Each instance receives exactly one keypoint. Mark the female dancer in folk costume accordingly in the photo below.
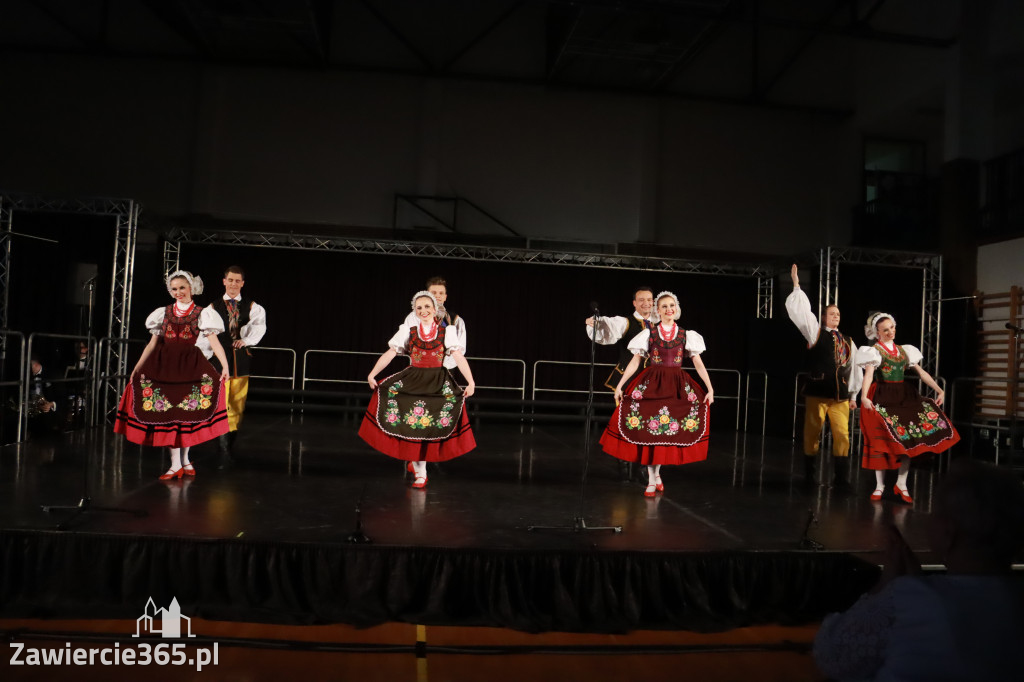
(418, 415)
(175, 398)
(897, 422)
(662, 416)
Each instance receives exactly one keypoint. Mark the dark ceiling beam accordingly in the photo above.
(305, 38)
(104, 23)
(67, 26)
(799, 51)
(179, 20)
(322, 13)
(868, 16)
(856, 31)
(250, 63)
(755, 46)
(483, 34)
(560, 49)
(711, 31)
(398, 34)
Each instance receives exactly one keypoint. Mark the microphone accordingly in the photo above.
(593, 308)
(1014, 329)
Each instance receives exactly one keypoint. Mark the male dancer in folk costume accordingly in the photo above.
(438, 288)
(245, 323)
(620, 330)
(831, 390)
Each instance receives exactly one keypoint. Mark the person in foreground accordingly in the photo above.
(175, 398)
(964, 625)
(896, 420)
(662, 417)
(418, 415)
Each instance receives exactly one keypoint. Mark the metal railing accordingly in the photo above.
(534, 389)
(22, 371)
(1012, 424)
(316, 352)
(763, 400)
(289, 378)
(521, 388)
(739, 383)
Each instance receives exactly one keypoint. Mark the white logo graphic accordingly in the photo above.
(166, 622)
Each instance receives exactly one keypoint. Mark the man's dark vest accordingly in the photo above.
(633, 327)
(830, 367)
(237, 357)
(448, 319)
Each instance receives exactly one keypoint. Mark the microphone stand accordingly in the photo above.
(579, 523)
(358, 537)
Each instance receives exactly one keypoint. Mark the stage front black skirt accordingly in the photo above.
(418, 415)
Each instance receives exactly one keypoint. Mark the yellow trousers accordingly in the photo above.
(236, 391)
(838, 413)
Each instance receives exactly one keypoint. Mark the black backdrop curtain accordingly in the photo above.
(347, 301)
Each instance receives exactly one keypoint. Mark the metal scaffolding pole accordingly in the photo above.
(6, 223)
(765, 297)
(116, 365)
(172, 256)
(539, 256)
(930, 265)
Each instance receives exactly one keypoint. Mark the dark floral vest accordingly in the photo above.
(426, 353)
(892, 368)
(181, 329)
(830, 366)
(666, 353)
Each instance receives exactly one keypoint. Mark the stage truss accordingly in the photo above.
(126, 214)
(762, 272)
(930, 265)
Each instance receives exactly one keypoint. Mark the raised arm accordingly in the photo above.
(606, 330)
(798, 307)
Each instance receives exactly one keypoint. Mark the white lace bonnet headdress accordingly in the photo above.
(194, 281)
(870, 329)
(674, 298)
(426, 294)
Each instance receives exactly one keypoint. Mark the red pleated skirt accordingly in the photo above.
(422, 417)
(662, 419)
(903, 423)
(175, 400)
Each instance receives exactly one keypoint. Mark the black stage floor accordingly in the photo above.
(280, 519)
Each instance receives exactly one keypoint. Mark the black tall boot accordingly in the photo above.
(839, 479)
(810, 470)
(225, 442)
